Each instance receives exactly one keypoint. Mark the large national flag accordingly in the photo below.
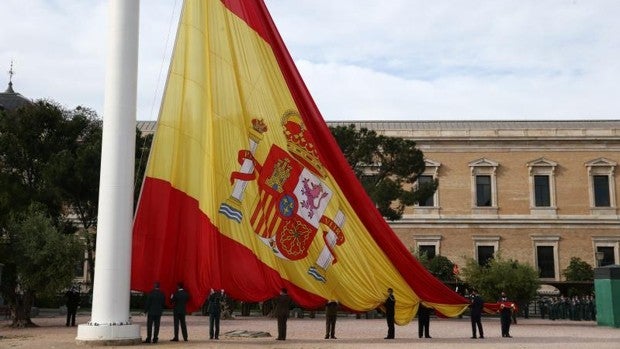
(246, 189)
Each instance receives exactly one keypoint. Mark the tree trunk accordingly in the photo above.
(20, 311)
(90, 258)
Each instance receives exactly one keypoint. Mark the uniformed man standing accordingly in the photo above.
(389, 304)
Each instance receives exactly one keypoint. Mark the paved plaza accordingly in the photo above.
(351, 333)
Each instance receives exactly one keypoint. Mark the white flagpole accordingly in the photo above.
(110, 321)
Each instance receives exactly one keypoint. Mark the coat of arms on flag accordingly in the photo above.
(293, 196)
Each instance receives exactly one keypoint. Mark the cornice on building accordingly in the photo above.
(507, 222)
(475, 131)
(480, 130)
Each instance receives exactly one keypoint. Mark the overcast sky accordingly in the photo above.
(361, 59)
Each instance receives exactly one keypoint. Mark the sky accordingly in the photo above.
(361, 59)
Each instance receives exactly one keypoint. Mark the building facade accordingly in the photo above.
(540, 192)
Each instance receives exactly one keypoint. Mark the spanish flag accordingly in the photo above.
(247, 191)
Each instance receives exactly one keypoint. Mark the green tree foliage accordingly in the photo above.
(518, 280)
(30, 140)
(77, 175)
(43, 260)
(387, 168)
(75, 170)
(49, 157)
(578, 270)
(441, 267)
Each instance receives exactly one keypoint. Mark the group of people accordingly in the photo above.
(154, 307)
(506, 308)
(576, 308)
(156, 302)
(283, 304)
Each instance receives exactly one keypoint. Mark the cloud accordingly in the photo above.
(500, 60)
(405, 59)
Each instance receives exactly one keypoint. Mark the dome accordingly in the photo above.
(10, 100)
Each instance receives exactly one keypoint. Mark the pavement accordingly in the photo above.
(51, 333)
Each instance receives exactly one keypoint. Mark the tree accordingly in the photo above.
(40, 259)
(518, 280)
(441, 267)
(76, 172)
(49, 157)
(578, 270)
(387, 168)
(30, 139)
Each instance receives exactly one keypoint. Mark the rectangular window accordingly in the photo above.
(79, 269)
(428, 249)
(601, 191)
(542, 196)
(485, 254)
(483, 191)
(546, 262)
(430, 201)
(608, 255)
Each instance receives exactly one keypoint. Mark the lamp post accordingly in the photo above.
(599, 258)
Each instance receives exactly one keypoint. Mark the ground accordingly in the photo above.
(351, 333)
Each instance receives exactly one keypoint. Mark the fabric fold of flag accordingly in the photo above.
(246, 190)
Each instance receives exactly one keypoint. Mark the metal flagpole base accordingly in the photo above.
(108, 335)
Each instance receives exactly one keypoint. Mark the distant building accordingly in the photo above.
(539, 192)
(9, 99)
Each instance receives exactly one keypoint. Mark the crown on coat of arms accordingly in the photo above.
(258, 128)
(299, 142)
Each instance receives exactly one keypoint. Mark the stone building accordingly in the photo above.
(539, 192)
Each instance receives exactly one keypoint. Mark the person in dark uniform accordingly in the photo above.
(331, 313)
(389, 305)
(214, 309)
(179, 300)
(505, 310)
(424, 321)
(283, 304)
(73, 301)
(476, 314)
(153, 308)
